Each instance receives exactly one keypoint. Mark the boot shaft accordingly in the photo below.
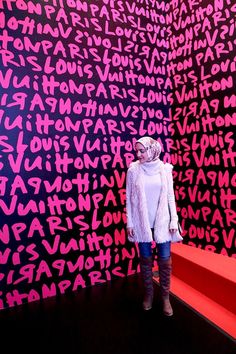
(165, 269)
(146, 272)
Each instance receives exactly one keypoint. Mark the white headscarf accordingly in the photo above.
(152, 146)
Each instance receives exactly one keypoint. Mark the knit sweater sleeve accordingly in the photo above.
(171, 197)
(129, 187)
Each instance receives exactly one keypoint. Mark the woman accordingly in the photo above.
(152, 216)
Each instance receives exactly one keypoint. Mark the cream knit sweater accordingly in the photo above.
(136, 205)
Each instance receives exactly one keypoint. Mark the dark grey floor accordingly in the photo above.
(108, 319)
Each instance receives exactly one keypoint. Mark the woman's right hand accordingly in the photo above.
(130, 232)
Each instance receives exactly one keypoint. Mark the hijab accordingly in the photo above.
(153, 148)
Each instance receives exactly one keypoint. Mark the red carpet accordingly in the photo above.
(206, 281)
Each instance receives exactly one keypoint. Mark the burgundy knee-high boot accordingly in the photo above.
(146, 272)
(165, 269)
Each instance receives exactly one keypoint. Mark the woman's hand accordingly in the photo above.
(130, 232)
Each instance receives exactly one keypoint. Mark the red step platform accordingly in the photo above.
(206, 282)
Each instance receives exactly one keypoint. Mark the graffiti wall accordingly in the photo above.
(80, 81)
(202, 65)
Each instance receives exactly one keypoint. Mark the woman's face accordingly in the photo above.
(141, 152)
